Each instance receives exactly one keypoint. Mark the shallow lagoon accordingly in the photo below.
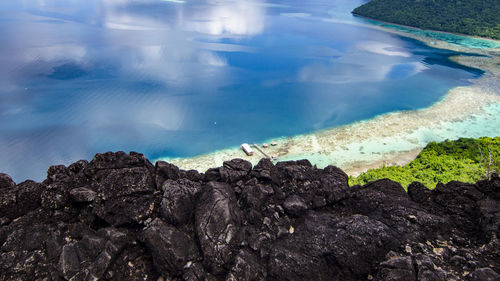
(178, 79)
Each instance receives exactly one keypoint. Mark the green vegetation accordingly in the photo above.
(472, 17)
(465, 160)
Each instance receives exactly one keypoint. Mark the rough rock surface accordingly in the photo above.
(118, 217)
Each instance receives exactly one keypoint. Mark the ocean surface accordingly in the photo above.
(173, 78)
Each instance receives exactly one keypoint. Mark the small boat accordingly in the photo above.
(247, 149)
(264, 145)
(274, 143)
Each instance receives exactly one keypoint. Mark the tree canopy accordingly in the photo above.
(471, 17)
(464, 160)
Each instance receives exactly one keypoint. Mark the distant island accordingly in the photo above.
(471, 17)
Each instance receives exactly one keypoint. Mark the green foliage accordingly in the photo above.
(472, 17)
(464, 160)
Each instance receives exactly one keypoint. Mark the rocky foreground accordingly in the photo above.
(121, 218)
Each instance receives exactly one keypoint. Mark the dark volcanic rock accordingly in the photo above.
(485, 274)
(295, 205)
(246, 267)
(57, 174)
(171, 249)
(6, 182)
(419, 193)
(166, 171)
(69, 263)
(20, 199)
(118, 217)
(266, 171)
(118, 160)
(234, 170)
(82, 194)
(398, 268)
(334, 186)
(387, 202)
(255, 195)
(212, 174)
(126, 195)
(179, 199)
(325, 247)
(218, 221)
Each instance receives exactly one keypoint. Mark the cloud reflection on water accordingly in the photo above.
(228, 18)
(80, 77)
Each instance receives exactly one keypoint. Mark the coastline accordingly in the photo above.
(422, 38)
(393, 138)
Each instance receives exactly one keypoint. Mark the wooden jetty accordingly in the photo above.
(262, 151)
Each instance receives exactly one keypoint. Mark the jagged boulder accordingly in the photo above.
(118, 217)
(172, 250)
(126, 195)
(21, 199)
(117, 160)
(6, 182)
(295, 205)
(83, 194)
(296, 170)
(246, 267)
(218, 221)
(397, 268)
(165, 171)
(387, 202)
(266, 171)
(179, 200)
(485, 274)
(234, 170)
(325, 247)
(254, 195)
(90, 257)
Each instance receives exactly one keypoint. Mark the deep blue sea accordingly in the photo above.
(182, 78)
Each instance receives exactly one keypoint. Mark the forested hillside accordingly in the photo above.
(472, 17)
(466, 160)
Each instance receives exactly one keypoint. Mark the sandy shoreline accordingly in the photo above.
(393, 138)
(433, 42)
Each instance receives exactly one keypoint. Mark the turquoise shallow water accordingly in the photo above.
(373, 149)
(475, 126)
(178, 79)
(454, 39)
